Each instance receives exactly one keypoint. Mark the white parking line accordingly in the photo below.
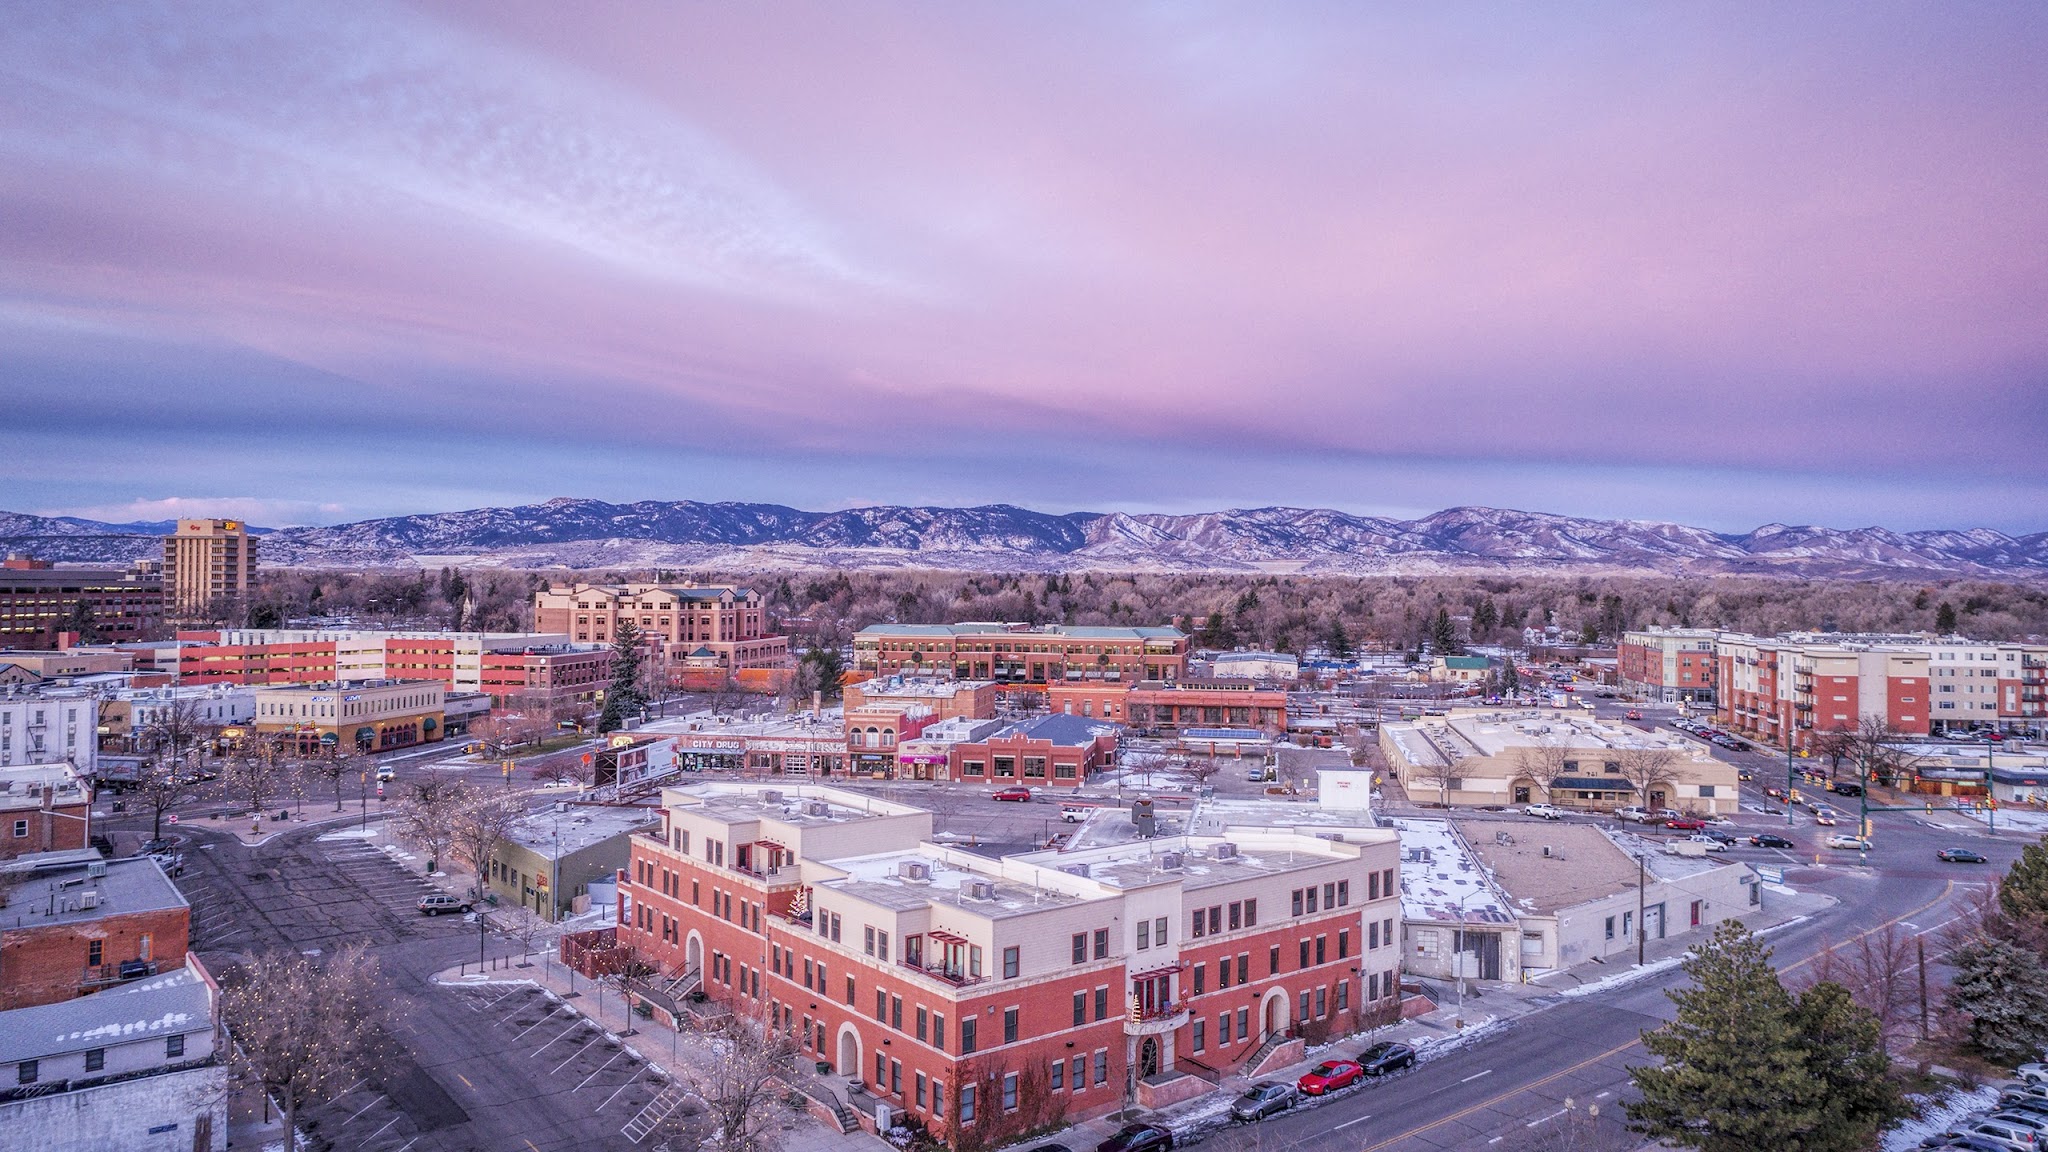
(1349, 1123)
(601, 1067)
(358, 1112)
(565, 1035)
(580, 1050)
(1545, 1119)
(615, 1095)
(1475, 1076)
(545, 1017)
(387, 1124)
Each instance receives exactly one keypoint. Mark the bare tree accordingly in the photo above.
(478, 827)
(524, 927)
(741, 1088)
(256, 774)
(428, 812)
(173, 726)
(304, 1026)
(165, 782)
(1197, 768)
(1879, 752)
(336, 765)
(1544, 761)
(1642, 767)
(1878, 969)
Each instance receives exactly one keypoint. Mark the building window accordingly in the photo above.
(1304, 953)
(1344, 944)
(967, 1030)
(1102, 943)
(25, 1072)
(174, 1047)
(95, 1059)
(1320, 942)
(1201, 1035)
(1273, 960)
(1102, 1002)
(1298, 905)
(1080, 1008)
(967, 1104)
(1198, 922)
(95, 952)
(1010, 962)
(1101, 1066)
(1009, 1092)
(1059, 1075)
(1201, 978)
(1080, 1073)
(1144, 934)
(1009, 1025)
(1159, 931)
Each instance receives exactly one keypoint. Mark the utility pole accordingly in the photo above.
(1642, 906)
(1920, 946)
(1990, 795)
(1789, 729)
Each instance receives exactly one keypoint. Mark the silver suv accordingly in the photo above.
(441, 902)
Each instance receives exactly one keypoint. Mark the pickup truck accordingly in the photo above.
(1546, 811)
(1634, 812)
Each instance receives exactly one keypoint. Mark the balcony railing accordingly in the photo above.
(952, 975)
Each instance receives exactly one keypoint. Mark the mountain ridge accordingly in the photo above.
(573, 532)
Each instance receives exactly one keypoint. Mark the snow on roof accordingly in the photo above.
(1441, 881)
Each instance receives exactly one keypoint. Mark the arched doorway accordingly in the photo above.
(1148, 1057)
(1524, 791)
(1660, 795)
(693, 953)
(1273, 1012)
(849, 1050)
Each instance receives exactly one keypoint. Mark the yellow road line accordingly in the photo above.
(1512, 1092)
(465, 1081)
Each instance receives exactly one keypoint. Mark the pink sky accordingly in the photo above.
(1662, 262)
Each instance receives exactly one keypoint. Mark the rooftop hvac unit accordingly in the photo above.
(88, 899)
(1171, 861)
(816, 808)
(981, 889)
(1076, 869)
(1226, 851)
(913, 870)
(1337, 836)
(771, 796)
(96, 869)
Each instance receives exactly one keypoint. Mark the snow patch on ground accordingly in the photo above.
(1436, 1047)
(1620, 979)
(351, 834)
(2008, 819)
(1937, 1113)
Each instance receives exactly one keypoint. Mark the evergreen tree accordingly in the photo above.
(1485, 618)
(2023, 896)
(1339, 641)
(823, 668)
(1845, 1055)
(1945, 618)
(623, 698)
(82, 621)
(2004, 991)
(1510, 678)
(1443, 635)
(1734, 1076)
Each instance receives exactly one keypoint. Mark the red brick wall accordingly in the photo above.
(59, 828)
(47, 964)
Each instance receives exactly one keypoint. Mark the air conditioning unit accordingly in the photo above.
(96, 869)
(1224, 851)
(771, 796)
(816, 808)
(1171, 861)
(88, 900)
(1076, 869)
(981, 889)
(913, 870)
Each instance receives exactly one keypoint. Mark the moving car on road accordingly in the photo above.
(1262, 1100)
(1329, 1076)
(1769, 840)
(1962, 856)
(1848, 843)
(1022, 795)
(1386, 1057)
(1685, 824)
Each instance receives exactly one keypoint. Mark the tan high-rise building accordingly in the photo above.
(205, 560)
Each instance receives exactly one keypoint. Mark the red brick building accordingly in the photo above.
(985, 998)
(43, 808)
(1012, 653)
(974, 699)
(67, 931)
(501, 665)
(685, 622)
(1057, 751)
(1669, 664)
(39, 603)
(1206, 704)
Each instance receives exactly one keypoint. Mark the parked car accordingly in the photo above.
(1138, 1138)
(440, 902)
(173, 863)
(1685, 824)
(1385, 1057)
(1256, 775)
(1546, 811)
(1964, 1142)
(1962, 856)
(160, 844)
(1632, 812)
(1769, 840)
(1848, 843)
(1635, 714)
(1719, 837)
(1022, 795)
(1262, 1100)
(2032, 1073)
(2017, 1127)
(1329, 1076)
(1073, 814)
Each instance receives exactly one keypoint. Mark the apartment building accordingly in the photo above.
(974, 699)
(1057, 751)
(502, 665)
(1013, 653)
(74, 924)
(137, 1067)
(368, 715)
(718, 623)
(1669, 665)
(48, 725)
(206, 560)
(985, 996)
(39, 603)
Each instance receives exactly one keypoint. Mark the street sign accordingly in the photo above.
(1771, 873)
(170, 817)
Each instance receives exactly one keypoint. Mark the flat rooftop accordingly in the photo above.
(553, 835)
(1583, 863)
(876, 879)
(58, 895)
(797, 805)
(1441, 881)
(1143, 863)
(922, 687)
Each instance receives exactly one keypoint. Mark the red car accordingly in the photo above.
(1633, 714)
(1685, 824)
(1329, 1076)
(1021, 794)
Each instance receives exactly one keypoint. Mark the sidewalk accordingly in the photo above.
(676, 1054)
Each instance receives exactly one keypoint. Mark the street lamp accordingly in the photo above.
(1458, 953)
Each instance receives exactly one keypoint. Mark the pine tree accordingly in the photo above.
(1443, 635)
(1339, 641)
(1734, 1076)
(2024, 894)
(1510, 678)
(2003, 989)
(1945, 618)
(1845, 1055)
(823, 667)
(1485, 618)
(623, 698)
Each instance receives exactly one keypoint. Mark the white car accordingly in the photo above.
(1546, 811)
(1852, 843)
(1707, 842)
(385, 774)
(2032, 1073)
(1632, 812)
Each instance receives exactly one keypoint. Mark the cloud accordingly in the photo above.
(258, 510)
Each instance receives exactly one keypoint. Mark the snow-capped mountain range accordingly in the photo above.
(574, 533)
